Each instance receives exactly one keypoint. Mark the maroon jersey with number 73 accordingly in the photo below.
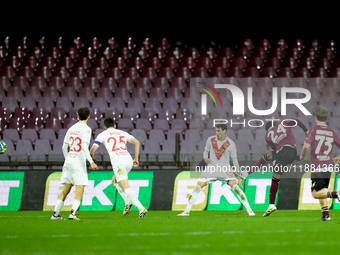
(322, 139)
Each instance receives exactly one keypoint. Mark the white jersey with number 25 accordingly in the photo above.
(115, 142)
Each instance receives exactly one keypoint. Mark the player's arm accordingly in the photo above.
(236, 167)
(336, 160)
(301, 125)
(66, 144)
(137, 145)
(304, 150)
(206, 152)
(65, 149)
(240, 175)
(85, 149)
(94, 147)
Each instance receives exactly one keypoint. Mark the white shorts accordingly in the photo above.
(122, 168)
(74, 174)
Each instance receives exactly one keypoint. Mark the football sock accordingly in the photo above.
(58, 207)
(325, 211)
(242, 197)
(132, 197)
(121, 192)
(257, 165)
(332, 194)
(75, 206)
(193, 198)
(273, 190)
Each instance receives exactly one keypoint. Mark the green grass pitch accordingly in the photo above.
(162, 232)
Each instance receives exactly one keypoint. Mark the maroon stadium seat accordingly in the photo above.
(157, 135)
(170, 62)
(15, 92)
(66, 61)
(5, 82)
(139, 134)
(148, 72)
(25, 71)
(100, 62)
(192, 52)
(29, 134)
(60, 71)
(109, 82)
(144, 83)
(58, 113)
(153, 62)
(143, 124)
(92, 83)
(125, 124)
(167, 72)
(8, 71)
(11, 134)
(161, 124)
(54, 124)
(80, 102)
(131, 72)
(64, 102)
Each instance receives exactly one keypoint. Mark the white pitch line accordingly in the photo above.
(195, 233)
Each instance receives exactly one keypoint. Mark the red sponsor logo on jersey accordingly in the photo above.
(219, 151)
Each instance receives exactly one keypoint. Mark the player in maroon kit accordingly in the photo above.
(320, 140)
(281, 139)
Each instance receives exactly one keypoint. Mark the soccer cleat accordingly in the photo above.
(142, 214)
(251, 213)
(127, 209)
(325, 218)
(73, 217)
(270, 209)
(243, 175)
(183, 214)
(56, 217)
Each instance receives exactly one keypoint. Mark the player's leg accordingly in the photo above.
(60, 201)
(76, 201)
(281, 160)
(321, 194)
(127, 203)
(272, 193)
(80, 180)
(324, 210)
(240, 194)
(122, 179)
(193, 197)
(320, 182)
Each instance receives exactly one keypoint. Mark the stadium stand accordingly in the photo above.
(145, 87)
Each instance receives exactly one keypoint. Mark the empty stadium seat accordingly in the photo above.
(143, 124)
(139, 134)
(23, 150)
(125, 124)
(42, 150)
(48, 133)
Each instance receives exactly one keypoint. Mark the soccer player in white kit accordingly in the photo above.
(76, 152)
(221, 148)
(114, 141)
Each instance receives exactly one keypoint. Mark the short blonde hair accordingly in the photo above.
(321, 113)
